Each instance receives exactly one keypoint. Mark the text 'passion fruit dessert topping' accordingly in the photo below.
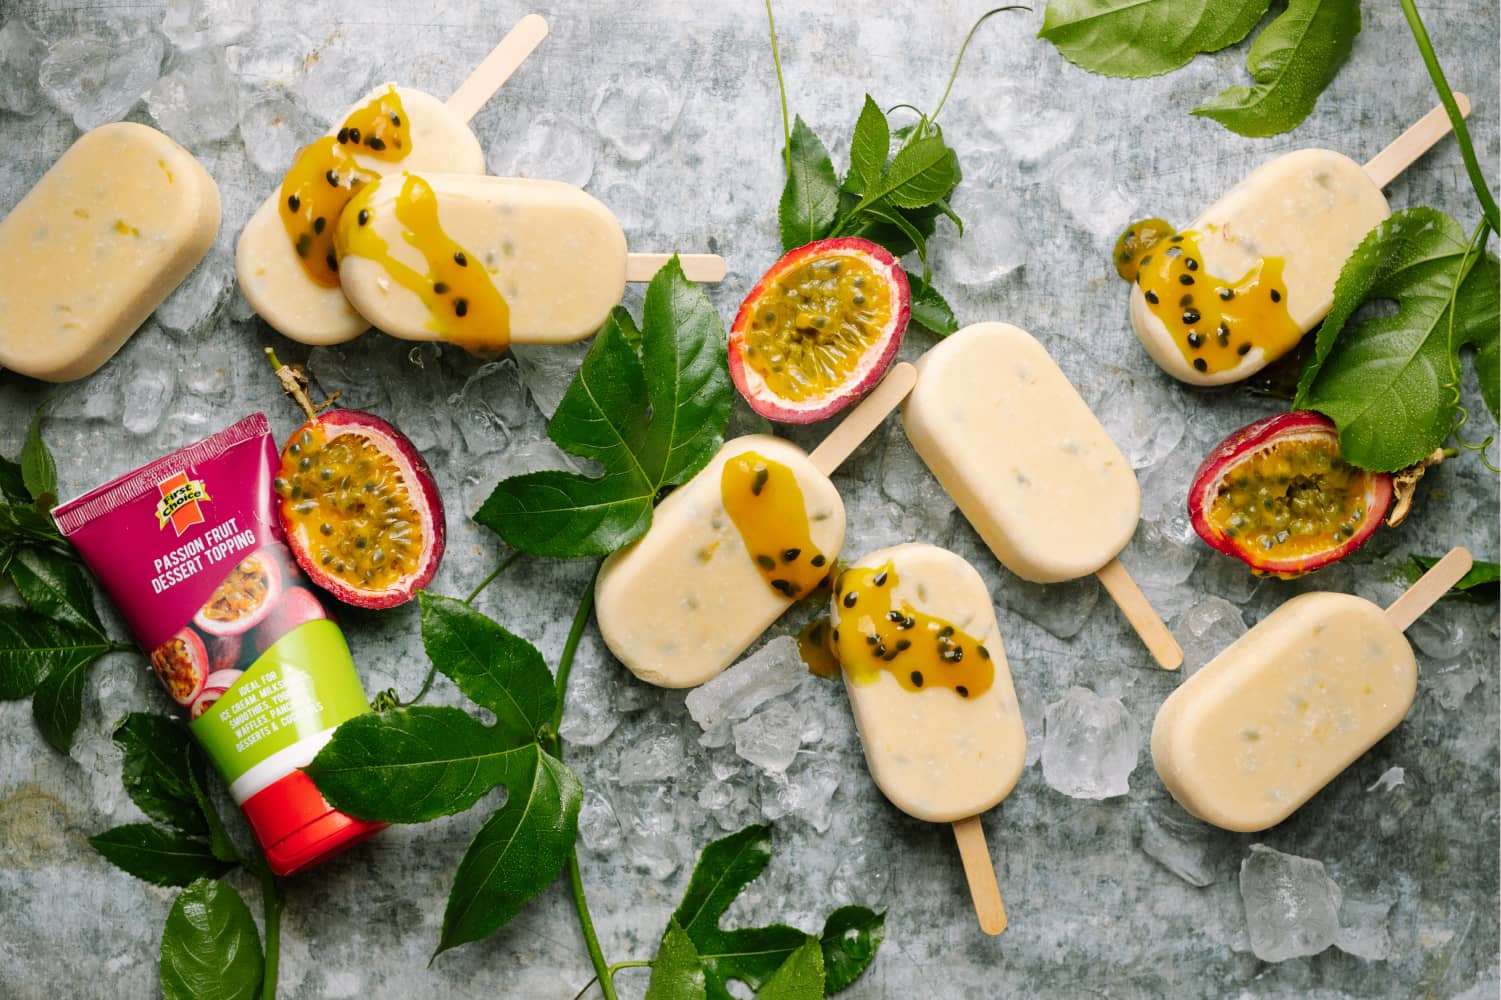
(918, 649)
(765, 503)
(819, 329)
(1277, 495)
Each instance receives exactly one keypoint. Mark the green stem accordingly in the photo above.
(271, 902)
(954, 73)
(565, 661)
(602, 968)
(776, 58)
(1461, 132)
(504, 563)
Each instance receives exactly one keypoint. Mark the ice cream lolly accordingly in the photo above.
(1029, 465)
(485, 261)
(1279, 713)
(107, 234)
(730, 550)
(285, 257)
(1242, 283)
(917, 641)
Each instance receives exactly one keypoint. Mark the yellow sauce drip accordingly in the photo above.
(814, 325)
(919, 650)
(313, 196)
(1216, 322)
(763, 499)
(379, 129)
(815, 648)
(465, 306)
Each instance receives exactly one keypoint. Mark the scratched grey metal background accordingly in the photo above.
(668, 112)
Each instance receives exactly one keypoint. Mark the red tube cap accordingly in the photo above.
(297, 827)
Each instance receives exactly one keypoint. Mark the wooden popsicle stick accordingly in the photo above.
(1140, 613)
(1430, 587)
(496, 68)
(864, 418)
(980, 873)
(706, 268)
(1384, 167)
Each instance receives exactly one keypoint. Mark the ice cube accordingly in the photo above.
(634, 112)
(1364, 929)
(1090, 745)
(97, 82)
(806, 794)
(771, 671)
(1144, 417)
(338, 73)
(648, 819)
(555, 148)
(148, 372)
(770, 738)
(652, 758)
(205, 287)
(492, 402)
(21, 55)
(273, 129)
(1205, 629)
(1059, 608)
(1022, 119)
(279, 55)
(198, 100)
(548, 371)
(1391, 778)
(994, 245)
(1445, 633)
(598, 826)
(591, 713)
(189, 24)
(1179, 843)
(1292, 905)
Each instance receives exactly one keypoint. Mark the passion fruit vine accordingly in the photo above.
(359, 506)
(819, 330)
(1277, 495)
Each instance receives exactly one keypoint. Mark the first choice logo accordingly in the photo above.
(179, 503)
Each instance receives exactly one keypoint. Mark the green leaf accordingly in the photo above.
(1488, 368)
(13, 482)
(869, 147)
(850, 938)
(810, 198)
(651, 421)
(155, 854)
(58, 588)
(156, 770)
(676, 973)
(1391, 383)
(57, 703)
(1136, 38)
(219, 841)
(519, 850)
(33, 647)
(930, 311)
(493, 667)
(412, 765)
(724, 869)
(798, 978)
(1292, 61)
(38, 471)
(23, 523)
(922, 173)
(210, 947)
(1482, 584)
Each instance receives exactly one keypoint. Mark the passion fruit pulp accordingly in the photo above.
(244, 598)
(182, 664)
(819, 329)
(1278, 496)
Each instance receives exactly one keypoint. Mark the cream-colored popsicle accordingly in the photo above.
(1289, 705)
(107, 234)
(1030, 466)
(923, 664)
(730, 550)
(390, 129)
(1242, 283)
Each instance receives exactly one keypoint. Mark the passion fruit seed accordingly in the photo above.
(1296, 498)
(242, 592)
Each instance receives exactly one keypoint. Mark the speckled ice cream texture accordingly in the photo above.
(672, 121)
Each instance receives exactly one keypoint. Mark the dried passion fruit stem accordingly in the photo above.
(294, 382)
(954, 73)
(1405, 486)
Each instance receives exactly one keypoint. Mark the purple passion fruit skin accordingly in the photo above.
(297, 607)
(245, 597)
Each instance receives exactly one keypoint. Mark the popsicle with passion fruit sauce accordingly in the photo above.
(728, 552)
(488, 261)
(1011, 440)
(1285, 708)
(917, 642)
(285, 256)
(1242, 283)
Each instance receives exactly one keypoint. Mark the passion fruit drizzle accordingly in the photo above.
(1214, 322)
(1291, 500)
(325, 175)
(766, 504)
(241, 593)
(174, 665)
(920, 650)
(465, 306)
(815, 647)
(352, 504)
(814, 325)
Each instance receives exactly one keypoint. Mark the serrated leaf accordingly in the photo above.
(57, 588)
(33, 647)
(38, 470)
(411, 765)
(519, 850)
(1291, 62)
(810, 197)
(651, 421)
(1391, 383)
(930, 311)
(676, 973)
(921, 173)
(869, 147)
(798, 978)
(1137, 38)
(492, 666)
(22, 523)
(13, 482)
(211, 949)
(158, 855)
(850, 938)
(156, 770)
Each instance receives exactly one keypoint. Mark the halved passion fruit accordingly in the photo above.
(245, 597)
(1277, 495)
(819, 329)
(360, 509)
(182, 664)
(218, 683)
